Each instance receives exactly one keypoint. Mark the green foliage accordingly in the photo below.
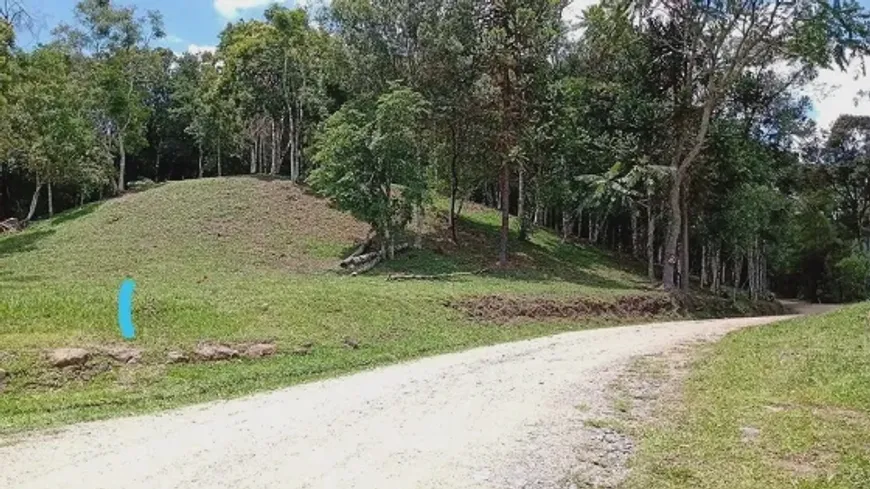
(852, 277)
(362, 156)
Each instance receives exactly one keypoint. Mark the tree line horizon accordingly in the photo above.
(672, 130)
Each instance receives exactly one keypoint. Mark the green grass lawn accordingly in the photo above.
(782, 406)
(246, 259)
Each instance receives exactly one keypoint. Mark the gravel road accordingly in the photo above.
(504, 416)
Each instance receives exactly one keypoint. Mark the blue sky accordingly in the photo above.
(194, 25)
(188, 22)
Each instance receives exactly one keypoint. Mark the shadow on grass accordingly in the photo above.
(74, 214)
(542, 258)
(23, 241)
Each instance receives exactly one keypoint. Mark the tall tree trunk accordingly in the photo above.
(650, 242)
(685, 245)
(738, 272)
(505, 214)
(298, 136)
(418, 226)
(703, 265)
(673, 236)
(254, 158)
(123, 165)
(274, 140)
(566, 225)
(157, 165)
(261, 157)
(635, 234)
(50, 201)
(219, 166)
(454, 182)
(714, 268)
(750, 271)
(200, 161)
(539, 205)
(294, 170)
(34, 201)
(579, 222)
(521, 205)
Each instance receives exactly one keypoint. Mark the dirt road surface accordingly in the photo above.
(504, 416)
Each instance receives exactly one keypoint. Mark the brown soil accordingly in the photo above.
(502, 309)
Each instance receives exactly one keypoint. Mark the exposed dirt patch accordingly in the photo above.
(278, 221)
(502, 309)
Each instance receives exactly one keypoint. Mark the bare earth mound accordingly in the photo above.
(234, 222)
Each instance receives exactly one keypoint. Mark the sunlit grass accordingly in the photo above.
(245, 259)
(804, 385)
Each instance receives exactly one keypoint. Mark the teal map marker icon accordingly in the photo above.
(125, 309)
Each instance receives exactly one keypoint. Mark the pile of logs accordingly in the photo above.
(360, 262)
(10, 225)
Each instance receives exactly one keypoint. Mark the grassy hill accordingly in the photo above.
(243, 260)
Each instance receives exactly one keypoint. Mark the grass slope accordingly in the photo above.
(246, 259)
(783, 406)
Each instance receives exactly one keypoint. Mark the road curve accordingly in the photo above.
(497, 417)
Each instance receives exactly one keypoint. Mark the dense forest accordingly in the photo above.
(676, 131)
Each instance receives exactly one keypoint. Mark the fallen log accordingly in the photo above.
(358, 252)
(440, 276)
(364, 263)
(368, 266)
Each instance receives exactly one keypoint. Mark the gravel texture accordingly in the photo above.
(506, 416)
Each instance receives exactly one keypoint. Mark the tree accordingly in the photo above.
(369, 160)
(708, 45)
(56, 141)
(518, 36)
(123, 69)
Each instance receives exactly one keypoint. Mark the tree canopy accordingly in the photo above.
(677, 132)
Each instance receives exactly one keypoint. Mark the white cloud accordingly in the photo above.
(197, 49)
(231, 9)
(835, 93)
(173, 39)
